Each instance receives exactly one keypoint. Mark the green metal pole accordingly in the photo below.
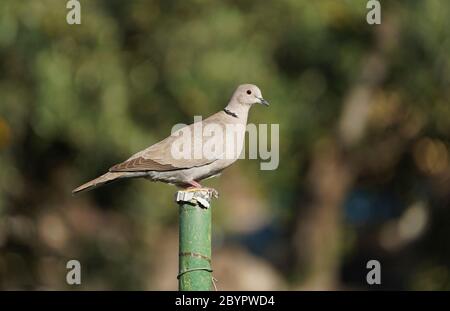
(195, 273)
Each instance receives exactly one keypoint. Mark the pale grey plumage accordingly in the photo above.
(157, 162)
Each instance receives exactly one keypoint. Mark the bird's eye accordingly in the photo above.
(249, 92)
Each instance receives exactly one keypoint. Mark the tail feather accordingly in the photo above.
(105, 178)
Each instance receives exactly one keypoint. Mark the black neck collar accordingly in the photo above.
(230, 113)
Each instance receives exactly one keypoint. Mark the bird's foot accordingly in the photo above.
(212, 192)
(195, 186)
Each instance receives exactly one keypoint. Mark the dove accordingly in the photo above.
(160, 163)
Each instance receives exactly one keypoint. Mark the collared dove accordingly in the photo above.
(158, 162)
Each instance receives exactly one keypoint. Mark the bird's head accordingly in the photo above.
(249, 94)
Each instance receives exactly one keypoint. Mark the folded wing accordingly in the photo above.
(159, 157)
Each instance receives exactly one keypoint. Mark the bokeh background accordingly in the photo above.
(364, 117)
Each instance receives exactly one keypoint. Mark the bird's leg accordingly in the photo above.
(195, 186)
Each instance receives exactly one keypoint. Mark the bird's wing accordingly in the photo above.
(159, 157)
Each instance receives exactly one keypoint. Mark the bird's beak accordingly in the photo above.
(262, 101)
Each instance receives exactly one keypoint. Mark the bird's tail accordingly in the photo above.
(105, 178)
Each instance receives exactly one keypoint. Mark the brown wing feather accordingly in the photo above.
(141, 164)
